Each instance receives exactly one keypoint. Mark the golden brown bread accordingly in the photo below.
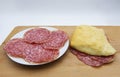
(91, 40)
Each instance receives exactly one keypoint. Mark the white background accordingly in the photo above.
(57, 12)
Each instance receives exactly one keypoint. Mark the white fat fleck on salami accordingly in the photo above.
(92, 60)
(37, 35)
(56, 40)
(39, 55)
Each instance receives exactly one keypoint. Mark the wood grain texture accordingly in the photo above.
(68, 65)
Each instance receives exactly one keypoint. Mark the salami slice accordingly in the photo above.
(37, 35)
(30, 52)
(56, 40)
(39, 55)
(15, 47)
(91, 59)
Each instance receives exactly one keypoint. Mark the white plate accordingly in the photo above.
(22, 61)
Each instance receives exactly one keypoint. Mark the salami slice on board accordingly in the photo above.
(91, 59)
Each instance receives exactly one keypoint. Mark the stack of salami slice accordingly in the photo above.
(37, 45)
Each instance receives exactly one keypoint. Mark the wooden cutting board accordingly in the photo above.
(68, 65)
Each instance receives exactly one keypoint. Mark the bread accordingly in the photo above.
(91, 40)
